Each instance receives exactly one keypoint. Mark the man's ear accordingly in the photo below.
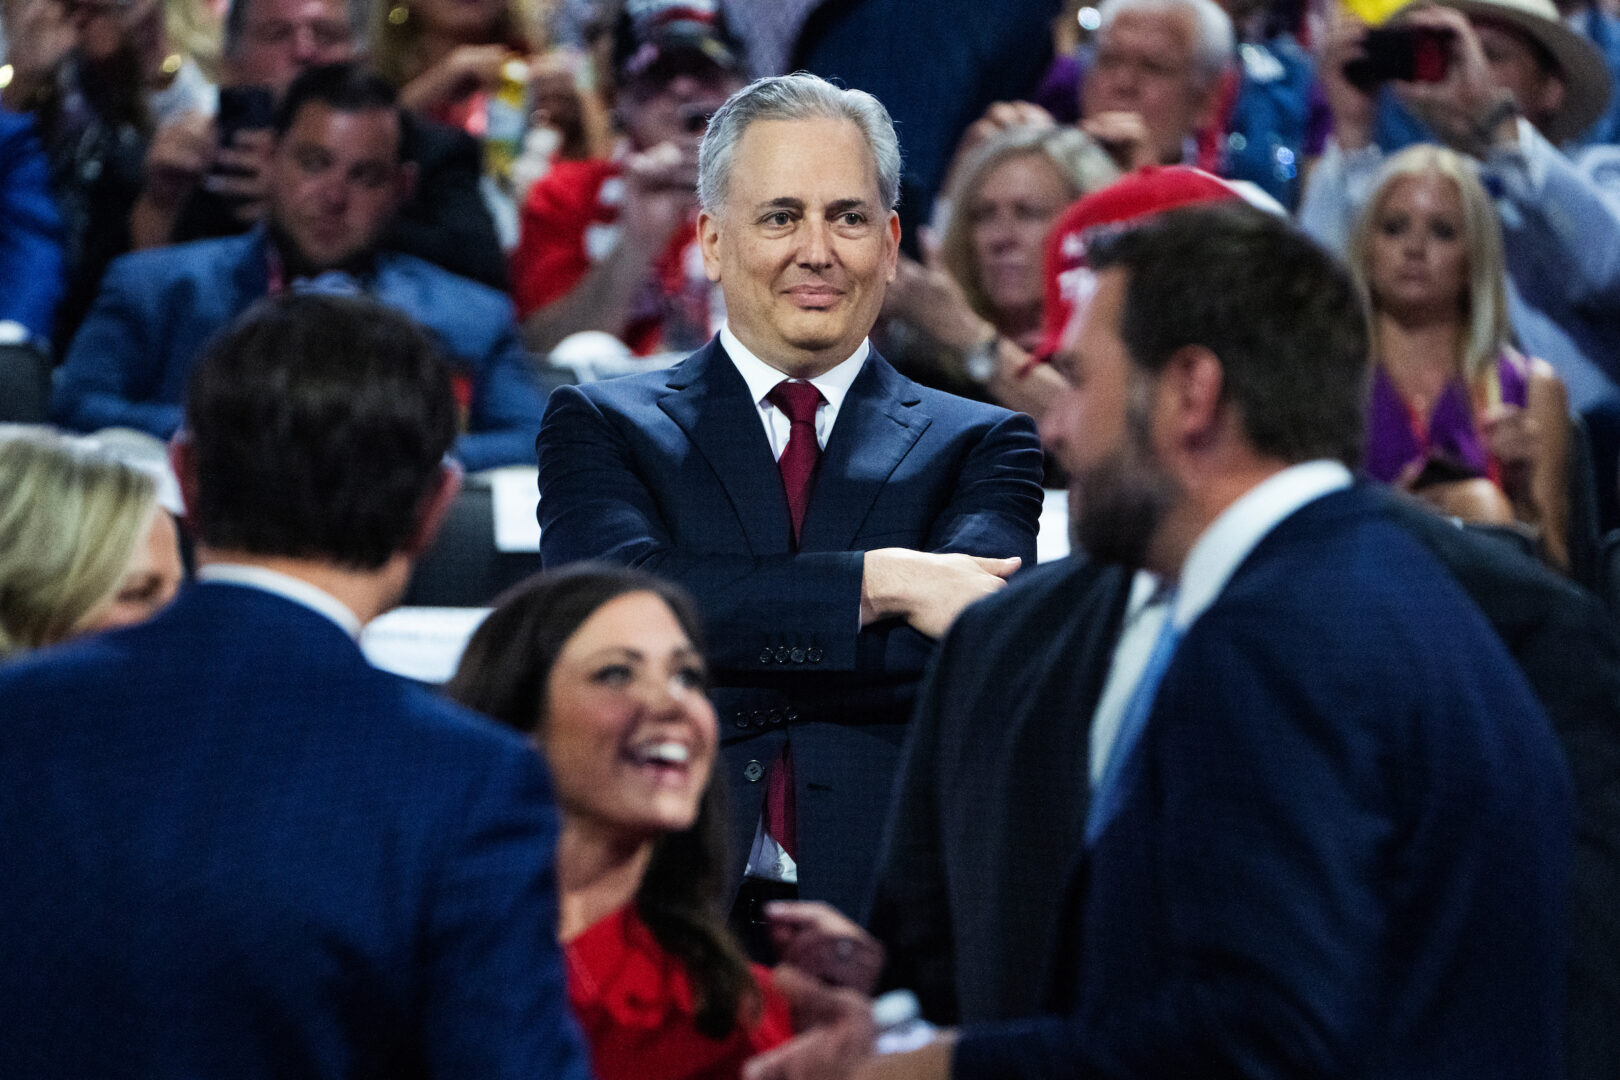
(708, 237)
(894, 246)
(435, 505)
(183, 461)
(1549, 100)
(1192, 386)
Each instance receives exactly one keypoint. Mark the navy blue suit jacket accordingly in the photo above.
(31, 262)
(234, 849)
(1347, 851)
(157, 309)
(672, 472)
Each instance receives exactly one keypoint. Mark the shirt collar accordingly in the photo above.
(762, 378)
(287, 587)
(1219, 550)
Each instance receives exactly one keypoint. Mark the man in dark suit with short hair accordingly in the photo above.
(1327, 828)
(234, 848)
(830, 516)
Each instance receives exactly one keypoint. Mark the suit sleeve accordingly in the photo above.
(595, 505)
(30, 230)
(494, 997)
(996, 508)
(506, 408)
(114, 367)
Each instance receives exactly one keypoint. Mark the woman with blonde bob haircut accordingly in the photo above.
(84, 545)
(1457, 415)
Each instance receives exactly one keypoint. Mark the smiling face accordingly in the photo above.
(1100, 429)
(336, 181)
(628, 730)
(1417, 260)
(803, 245)
(1011, 214)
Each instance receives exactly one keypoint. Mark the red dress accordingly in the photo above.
(634, 1004)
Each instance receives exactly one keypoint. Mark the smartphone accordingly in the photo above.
(1402, 54)
(243, 108)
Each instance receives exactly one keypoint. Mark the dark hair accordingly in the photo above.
(504, 674)
(1279, 311)
(343, 87)
(318, 425)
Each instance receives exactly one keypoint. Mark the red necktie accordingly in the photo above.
(798, 402)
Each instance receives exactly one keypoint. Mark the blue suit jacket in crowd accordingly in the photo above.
(233, 849)
(31, 265)
(1347, 849)
(672, 472)
(130, 360)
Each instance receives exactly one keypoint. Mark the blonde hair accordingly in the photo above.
(1080, 162)
(70, 517)
(1484, 307)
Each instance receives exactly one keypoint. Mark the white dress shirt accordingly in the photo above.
(762, 379)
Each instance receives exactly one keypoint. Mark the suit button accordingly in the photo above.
(766, 656)
(797, 656)
(757, 718)
(742, 719)
(782, 654)
(792, 715)
(776, 716)
(813, 655)
(753, 771)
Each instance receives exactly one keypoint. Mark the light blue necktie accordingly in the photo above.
(1120, 772)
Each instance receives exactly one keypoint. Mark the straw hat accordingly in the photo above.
(1586, 77)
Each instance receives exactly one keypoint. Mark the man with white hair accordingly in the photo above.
(1156, 74)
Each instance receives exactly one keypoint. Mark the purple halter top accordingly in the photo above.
(1393, 444)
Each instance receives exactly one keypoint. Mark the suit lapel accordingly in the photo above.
(878, 424)
(710, 402)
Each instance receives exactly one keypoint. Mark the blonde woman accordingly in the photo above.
(84, 545)
(1457, 415)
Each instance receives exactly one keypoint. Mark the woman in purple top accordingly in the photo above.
(1457, 416)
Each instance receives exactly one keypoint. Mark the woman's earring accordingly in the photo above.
(399, 15)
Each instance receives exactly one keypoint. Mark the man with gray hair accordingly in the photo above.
(1156, 75)
(831, 517)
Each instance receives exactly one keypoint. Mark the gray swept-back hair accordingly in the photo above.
(1211, 53)
(800, 96)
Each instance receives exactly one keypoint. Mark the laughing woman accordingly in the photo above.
(602, 667)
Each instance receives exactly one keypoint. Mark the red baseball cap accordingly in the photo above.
(1148, 190)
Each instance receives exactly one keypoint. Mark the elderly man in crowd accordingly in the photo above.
(830, 516)
(1328, 828)
(337, 177)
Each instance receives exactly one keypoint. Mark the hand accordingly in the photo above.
(660, 192)
(836, 1033)
(816, 938)
(1124, 135)
(1454, 107)
(242, 172)
(1513, 438)
(930, 299)
(927, 590)
(464, 70)
(1353, 109)
(182, 151)
(41, 34)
